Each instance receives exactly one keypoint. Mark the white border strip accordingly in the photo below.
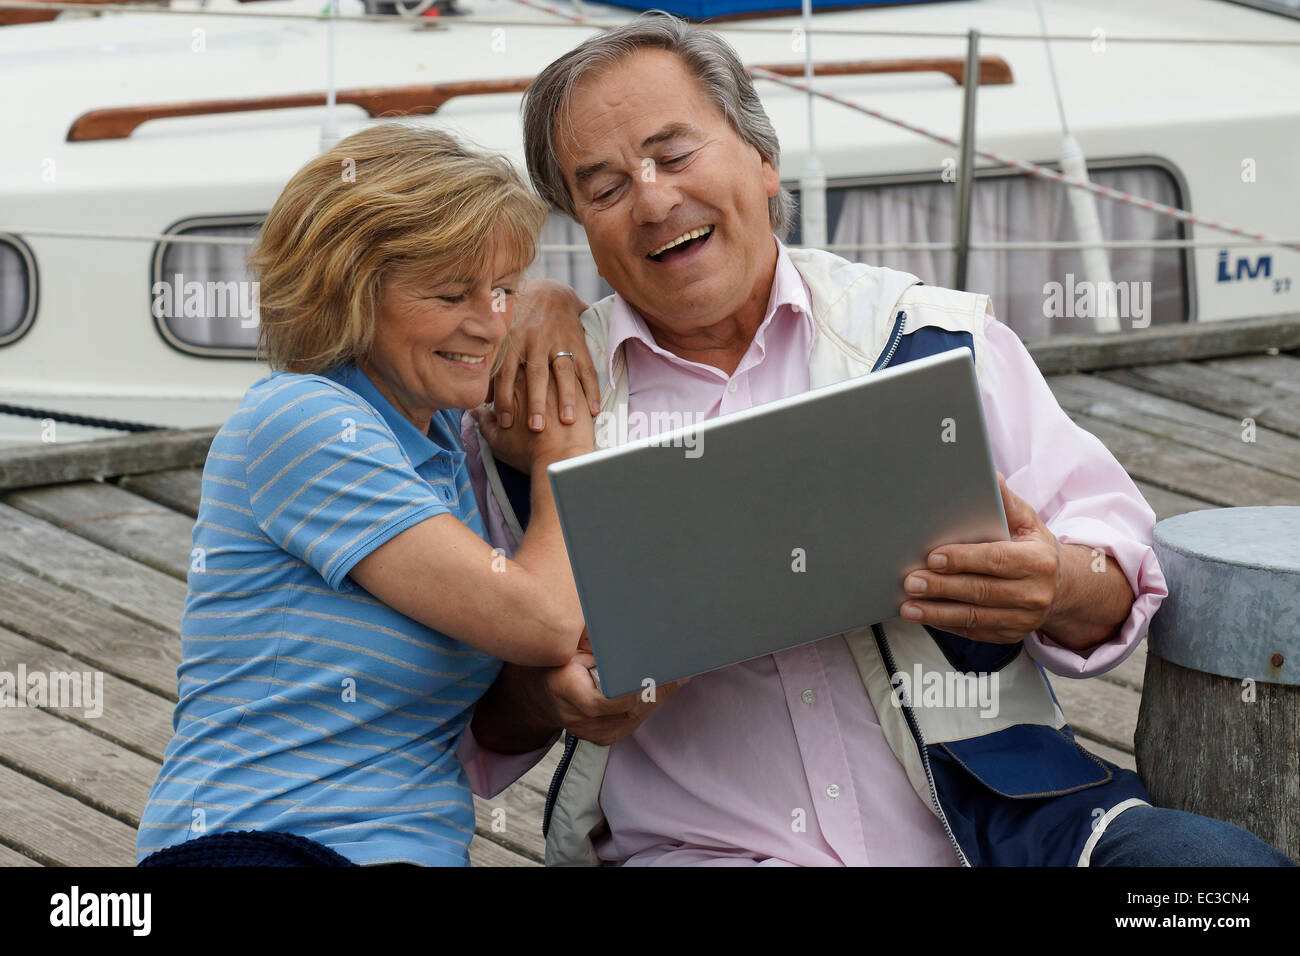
(1086, 856)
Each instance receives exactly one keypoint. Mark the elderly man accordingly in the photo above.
(652, 137)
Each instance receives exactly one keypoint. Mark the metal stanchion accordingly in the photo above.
(966, 166)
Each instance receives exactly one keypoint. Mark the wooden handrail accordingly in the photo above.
(119, 122)
(15, 17)
(993, 69)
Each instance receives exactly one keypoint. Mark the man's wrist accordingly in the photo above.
(549, 456)
(518, 716)
(1078, 598)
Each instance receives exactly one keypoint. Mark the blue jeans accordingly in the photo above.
(1155, 836)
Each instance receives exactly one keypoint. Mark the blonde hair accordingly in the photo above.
(386, 200)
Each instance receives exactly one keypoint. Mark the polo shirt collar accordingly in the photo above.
(419, 448)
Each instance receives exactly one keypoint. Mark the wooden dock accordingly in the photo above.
(95, 542)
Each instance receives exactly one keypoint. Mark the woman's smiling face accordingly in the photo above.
(436, 339)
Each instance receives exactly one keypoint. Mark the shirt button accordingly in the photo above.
(809, 697)
(833, 791)
(731, 386)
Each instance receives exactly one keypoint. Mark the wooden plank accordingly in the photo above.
(178, 489)
(1191, 471)
(80, 565)
(85, 628)
(1165, 343)
(70, 759)
(1166, 503)
(1098, 709)
(133, 526)
(1280, 372)
(58, 830)
(25, 466)
(1156, 415)
(133, 717)
(1130, 672)
(1216, 391)
(486, 853)
(11, 857)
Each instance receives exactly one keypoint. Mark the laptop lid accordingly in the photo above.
(767, 528)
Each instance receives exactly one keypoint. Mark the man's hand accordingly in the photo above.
(996, 592)
(1001, 591)
(583, 710)
(546, 322)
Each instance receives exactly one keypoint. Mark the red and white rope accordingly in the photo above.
(569, 15)
(1033, 169)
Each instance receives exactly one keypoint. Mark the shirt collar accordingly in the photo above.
(419, 447)
(788, 289)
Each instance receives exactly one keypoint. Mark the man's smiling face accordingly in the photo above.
(650, 160)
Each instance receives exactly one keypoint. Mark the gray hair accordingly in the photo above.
(711, 59)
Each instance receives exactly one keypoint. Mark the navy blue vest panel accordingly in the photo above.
(930, 340)
(1020, 798)
(974, 656)
(519, 489)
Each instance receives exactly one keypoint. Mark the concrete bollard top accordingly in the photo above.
(1234, 593)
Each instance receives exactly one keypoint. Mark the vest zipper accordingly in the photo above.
(553, 791)
(900, 324)
(915, 727)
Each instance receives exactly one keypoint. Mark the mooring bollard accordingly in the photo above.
(1219, 724)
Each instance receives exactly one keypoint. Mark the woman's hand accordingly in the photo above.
(520, 448)
(545, 322)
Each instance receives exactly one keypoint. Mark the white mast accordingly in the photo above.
(329, 131)
(812, 184)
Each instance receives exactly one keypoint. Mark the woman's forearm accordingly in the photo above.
(543, 556)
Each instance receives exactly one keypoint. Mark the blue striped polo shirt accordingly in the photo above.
(306, 706)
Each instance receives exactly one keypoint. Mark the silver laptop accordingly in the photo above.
(789, 522)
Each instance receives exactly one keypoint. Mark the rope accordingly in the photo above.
(1014, 246)
(70, 419)
(574, 17)
(1032, 169)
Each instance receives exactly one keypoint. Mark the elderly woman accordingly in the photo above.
(344, 611)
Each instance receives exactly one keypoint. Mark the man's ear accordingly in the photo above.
(771, 179)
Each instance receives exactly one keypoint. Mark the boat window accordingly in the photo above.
(17, 289)
(1284, 8)
(1019, 208)
(202, 295)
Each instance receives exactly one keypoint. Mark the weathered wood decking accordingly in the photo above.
(94, 579)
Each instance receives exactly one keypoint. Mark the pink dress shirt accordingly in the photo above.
(781, 760)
